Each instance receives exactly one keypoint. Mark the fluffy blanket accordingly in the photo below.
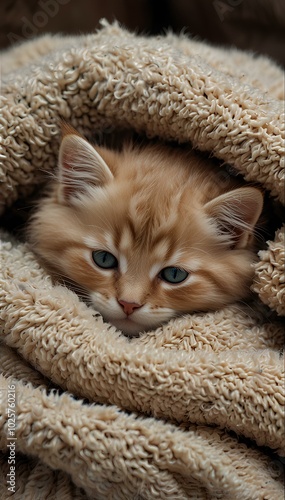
(195, 409)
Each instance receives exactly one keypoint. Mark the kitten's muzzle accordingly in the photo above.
(129, 307)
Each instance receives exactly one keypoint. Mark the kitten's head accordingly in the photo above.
(146, 233)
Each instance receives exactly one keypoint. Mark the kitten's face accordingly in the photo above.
(144, 234)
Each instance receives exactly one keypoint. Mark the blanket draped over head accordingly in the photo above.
(195, 409)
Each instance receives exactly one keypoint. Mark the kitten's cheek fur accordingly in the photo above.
(140, 321)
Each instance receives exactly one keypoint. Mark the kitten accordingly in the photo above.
(147, 233)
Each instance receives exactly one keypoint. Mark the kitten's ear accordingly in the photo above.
(80, 166)
(236, 214)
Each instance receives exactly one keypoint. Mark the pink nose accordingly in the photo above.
(129, 307)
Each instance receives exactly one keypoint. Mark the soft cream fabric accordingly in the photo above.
(183, 412)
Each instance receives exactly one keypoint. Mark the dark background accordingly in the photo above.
(257, 25)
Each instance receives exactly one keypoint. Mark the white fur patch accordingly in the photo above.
(123, 264)
(154, 270)
(161, 249)
(110, 245)
(105, 243)
(92, 242)
(126, 241)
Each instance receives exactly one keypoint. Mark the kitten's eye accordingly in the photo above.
(104, 259)
(173, 275)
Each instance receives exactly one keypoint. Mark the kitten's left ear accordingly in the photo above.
(236, 214)
(80, 166)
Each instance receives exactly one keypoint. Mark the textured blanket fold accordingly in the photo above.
(195, 409)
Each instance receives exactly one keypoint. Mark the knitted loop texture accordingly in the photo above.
(195, 409)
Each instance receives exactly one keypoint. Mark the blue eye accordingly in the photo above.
(173, 275)
(104, 259)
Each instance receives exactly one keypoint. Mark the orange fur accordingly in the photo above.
(151, 208)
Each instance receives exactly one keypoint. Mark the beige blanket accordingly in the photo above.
(194, 410)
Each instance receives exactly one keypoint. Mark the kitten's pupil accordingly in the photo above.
(173, 275)
(104, 259)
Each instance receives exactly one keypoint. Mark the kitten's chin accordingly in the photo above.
(129, 327)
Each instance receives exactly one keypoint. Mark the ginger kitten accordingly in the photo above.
(146, 233)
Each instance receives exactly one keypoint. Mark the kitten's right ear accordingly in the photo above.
(80, 166)
(236, 214)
